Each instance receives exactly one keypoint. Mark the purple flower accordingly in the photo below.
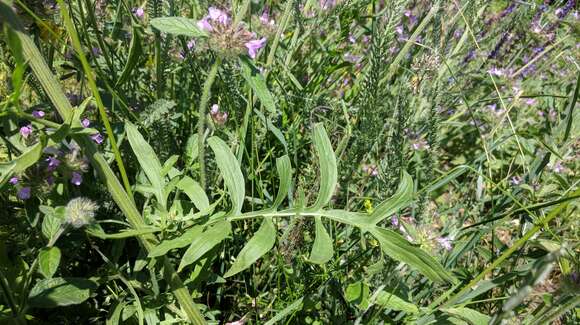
(14, 180)
(26, 130)
(52, 163)
(50, 180)
(76, 179)
(190, 44)
(558, 167)
(516, 180)
(531, 101)
(204, 25)
(348, 57)
(139, 12)
(445, 243)
(496, 72)
(399, 30)
(254, 46)
(38, 114)
(394, 221)
(85, 122)
(98, 138)
(214, 109)
(219, 15)
(24, 193)
(96, 51)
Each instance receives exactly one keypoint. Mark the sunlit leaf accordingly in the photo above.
(195, 193)
(328, 169)
(58, 292)
(322, 249)
(285, 174)
(391, 301)
(204, 242)
(402, 198)
(178, 26)
(183, 240)
(233, 178)
(48, 261)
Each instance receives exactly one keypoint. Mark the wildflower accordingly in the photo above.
(204, 25)
(265, 19)
(96, 51)
(496, 72)
(371, 170)
(98, 138)
(254, 46)
(80, 212)
(24, 193)
(394, 221)
(52, 163)
(351, 39)
(38, 114)
(558, 167)
(219, 15)
(190, 44)
(25, 131)
(327, 4)
(531, 101)
(214, 109)
(399, 30)
(14, 180)
(76, 178)
(352, 58)
(139, 12)
(419, 144)
(445, 243)
(86, 122)
(516, 180)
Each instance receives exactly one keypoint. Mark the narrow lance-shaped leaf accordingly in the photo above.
(285, 174)
(258, 84)
(322, 250)
(195, 193)
(472, 316)
(185, 239)
(178, 26)
(147, 159)
(261, 243)
(204, 242)
(391, 301)
(402, 198)
(328, 169)
(233, 178)
(401, 250)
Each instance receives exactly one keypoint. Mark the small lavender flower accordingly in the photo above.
(25, 131)
(219, 15)
(214, 109)
(445, 243)
(38, 114)
(496, 72)
(419, 144)
(190, 44)
(14, 180)
(96, 51)
(76, 178)
(53, 163)
(98, 138)
(85, 122)
(558, 167)
(24, 193)
(531, 101)
(254, 46)
(394, 221)
(139, 12)
(516, 180)
(204, 25)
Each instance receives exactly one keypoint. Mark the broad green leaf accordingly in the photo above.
(168, 165)
(261, 243)
(402, 198)
(178, 26)
(20, 164)
(294, 306)
(56, 292)
(258, 84)
(401, 250)
(147, 159)
(191, 150)
(358, 293)
(195, 193)
(391, 301)
(231, 172)
(327, 166)
(48, 261)
(185, 239)
(471, 316)
(52, 221)
(322, 250)
(204, 242)
(285, 174)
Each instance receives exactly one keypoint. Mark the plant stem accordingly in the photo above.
(201, 110)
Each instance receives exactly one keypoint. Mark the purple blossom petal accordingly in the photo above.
(98, 138)
(254, 46)
(219, 15)
(24, 193)
(14, 180)
(38, 114)
(204, 25)
(76, 179)
(85, 122)
(25, 131)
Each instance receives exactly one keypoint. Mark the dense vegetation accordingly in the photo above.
(292, 162)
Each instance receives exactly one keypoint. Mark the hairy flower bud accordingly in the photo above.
(80, 212)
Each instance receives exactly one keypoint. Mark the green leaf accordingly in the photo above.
(261, 243)
(191, 150)
(97, 231)
(401, 250)
(52, 221)
(271, 127)
(178, 26)
(168, 165)
(402, 198)
(328, 169)
(391, 301)
(294, 306)
(257, 83)
(469, 315)
(135, 50)
(56, 292)
(48, 261)
(233, 178)
(20, 164)
(195, 193)
(322, 249)
(285, 174)
(358, 293)
(205, 241)
(147, 159)
(185, 239)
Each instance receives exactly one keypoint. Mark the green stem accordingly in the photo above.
(93, 86)
(201, 110)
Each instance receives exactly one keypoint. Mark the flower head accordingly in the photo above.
(80, 212)
(139, 12)
(53, 163)
(254, 46)
(219, 16)
(445, 242)
(14, 180)
(25, 131)
(38, 114)
(204, 25)
(24, 193)
(86, 122)
(98, 138)
(76, 178)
